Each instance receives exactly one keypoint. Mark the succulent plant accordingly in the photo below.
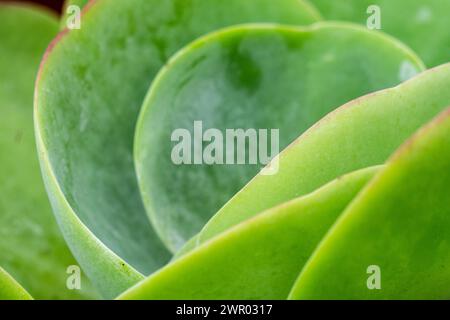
(32, 248)
(360, 182)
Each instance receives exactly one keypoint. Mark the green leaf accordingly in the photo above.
(191, 244)
(31, 246)
(400, 223)
(91, 87)
(362, 133)
(423, 25)
(10, 289)
(249, 77)
(259, 259)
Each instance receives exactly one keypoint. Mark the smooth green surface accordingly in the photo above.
(399, 222)
(259, 259)
(362, 133)
(91, 87)
(10, 289)
(250, 77)
(188, 246)
(31, 246)
(423, 25)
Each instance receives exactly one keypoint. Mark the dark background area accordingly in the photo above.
(55, 5)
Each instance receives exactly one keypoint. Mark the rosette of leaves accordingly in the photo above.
(353, 190)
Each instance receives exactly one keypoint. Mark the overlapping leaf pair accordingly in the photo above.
(343, 199)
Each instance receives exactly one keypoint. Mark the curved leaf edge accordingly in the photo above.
(182, 53)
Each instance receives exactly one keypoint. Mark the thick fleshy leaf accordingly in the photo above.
(423, 25)
(259, 259)
(393, 241)
(31, 246)
(91, 87)
(249, 77)
(187, 247)
(362, 133)
(10, 289)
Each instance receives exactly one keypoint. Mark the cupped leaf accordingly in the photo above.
(362, 133)
(257, 77)
(91, 86)
(423, 25)
(259, 259)
(393, 241)
(32, 248)
(10, 289)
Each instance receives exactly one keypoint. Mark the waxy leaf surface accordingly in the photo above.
(32, 248)
(399, 224)
(257, 77)
(259, 259)
(422, 25)
(10, 289)
(91, 86)
(362, 133)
